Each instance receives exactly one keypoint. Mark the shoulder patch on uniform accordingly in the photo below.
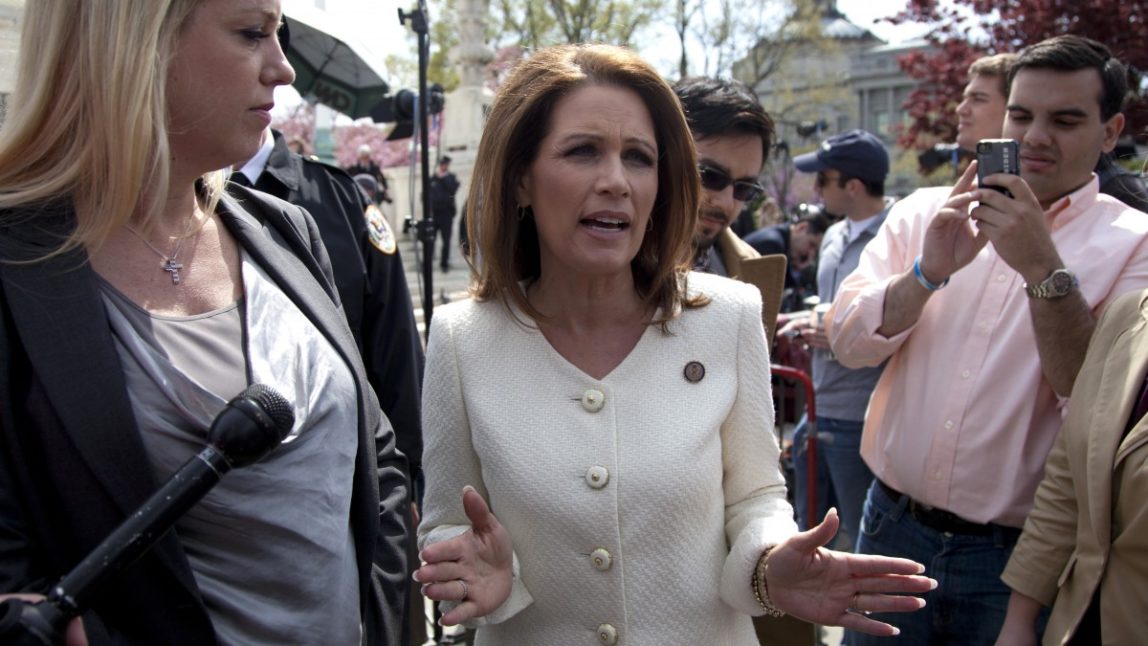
(379, 231)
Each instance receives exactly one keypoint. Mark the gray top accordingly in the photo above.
(271, 544)
(207, 348)
(842, 393)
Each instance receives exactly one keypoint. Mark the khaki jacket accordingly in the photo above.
(767, 273)
(1089, 527)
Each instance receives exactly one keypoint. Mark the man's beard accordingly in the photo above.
(703, 241)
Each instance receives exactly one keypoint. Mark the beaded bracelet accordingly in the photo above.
(761, 588)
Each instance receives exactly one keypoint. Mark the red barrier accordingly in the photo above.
(798, 376)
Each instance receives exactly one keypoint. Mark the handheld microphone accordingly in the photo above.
(250, 425)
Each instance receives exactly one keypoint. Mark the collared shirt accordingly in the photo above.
(857, 227)
(963, 418)
(254, 166)
(843, 393)
(712, 263)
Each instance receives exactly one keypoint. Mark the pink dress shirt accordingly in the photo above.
(962, 418)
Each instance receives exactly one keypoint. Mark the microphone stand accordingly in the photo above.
(424, 228)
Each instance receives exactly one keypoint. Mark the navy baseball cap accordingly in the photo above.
(855, 153)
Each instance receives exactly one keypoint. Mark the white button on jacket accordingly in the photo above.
(601, 559)
(593, 400)
(597, 477)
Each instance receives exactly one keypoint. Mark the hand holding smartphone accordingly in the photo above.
(996, 156)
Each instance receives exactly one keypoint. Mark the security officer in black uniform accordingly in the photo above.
(372, 287)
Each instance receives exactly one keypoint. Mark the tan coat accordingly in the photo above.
(1089, 526)
(767, 273)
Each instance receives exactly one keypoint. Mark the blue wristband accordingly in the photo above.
(924, 281)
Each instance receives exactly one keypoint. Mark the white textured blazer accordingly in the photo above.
(637, 504)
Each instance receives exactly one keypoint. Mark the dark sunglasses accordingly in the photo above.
(823, 179)
(716, 180)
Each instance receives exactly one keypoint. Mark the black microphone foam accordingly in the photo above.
(250, 425)
(233, 435)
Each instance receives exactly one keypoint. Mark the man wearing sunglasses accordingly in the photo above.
(733, 135)
(851, 168)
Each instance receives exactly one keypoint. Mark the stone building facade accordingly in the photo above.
(848, 79)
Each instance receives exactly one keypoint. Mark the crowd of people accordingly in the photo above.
(590, 456)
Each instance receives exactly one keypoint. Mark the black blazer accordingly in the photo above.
(72, 466)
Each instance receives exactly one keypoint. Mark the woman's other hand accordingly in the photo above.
(826, 587)
(473, 569)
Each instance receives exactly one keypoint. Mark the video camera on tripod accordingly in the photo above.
(401, 108)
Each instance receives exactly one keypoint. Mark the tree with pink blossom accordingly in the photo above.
(298, 125)
(385, 153)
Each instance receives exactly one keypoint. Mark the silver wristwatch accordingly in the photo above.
(1058, 284)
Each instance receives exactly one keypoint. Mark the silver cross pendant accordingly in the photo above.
(172, 267)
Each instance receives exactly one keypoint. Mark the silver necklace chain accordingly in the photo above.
(169, 264)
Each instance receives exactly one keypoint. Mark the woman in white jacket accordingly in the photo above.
(613, 408)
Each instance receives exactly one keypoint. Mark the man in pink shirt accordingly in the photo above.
(983, 305)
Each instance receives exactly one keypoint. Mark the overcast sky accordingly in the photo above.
(375, 24)
(865, 12)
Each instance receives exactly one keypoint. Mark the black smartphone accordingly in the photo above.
(996, 156)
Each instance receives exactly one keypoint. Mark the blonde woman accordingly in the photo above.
(136, 299)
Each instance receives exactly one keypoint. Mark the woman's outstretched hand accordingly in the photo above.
(836, 588)
(473, 569)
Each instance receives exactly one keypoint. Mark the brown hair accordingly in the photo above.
(1071, 53)
(507, 249)
(996, 66)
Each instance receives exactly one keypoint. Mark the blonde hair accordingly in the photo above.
(519, 120)
(87, 119)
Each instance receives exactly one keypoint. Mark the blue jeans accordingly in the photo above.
(968, 606)
(843, 478)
